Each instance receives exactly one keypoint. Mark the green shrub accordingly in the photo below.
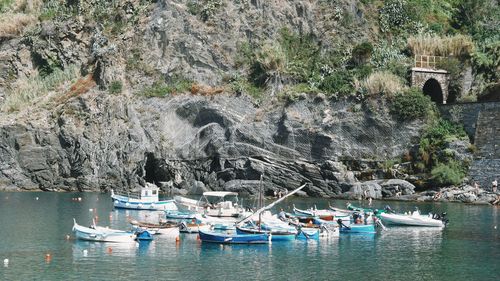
(239, 85)
(5, 4)
(451, 173)
(158, 89)
(338, 83)
(115, 87)
(412, 104)
(362, 52)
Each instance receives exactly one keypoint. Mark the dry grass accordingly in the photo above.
(204, 90)
(384, 83)
(26, 90)
(81, 86)
(13, 24)
(19, 15)
(432, 45)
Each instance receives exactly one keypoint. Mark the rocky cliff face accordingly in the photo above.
(190, 144)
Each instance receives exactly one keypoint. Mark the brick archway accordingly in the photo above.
(420, 76)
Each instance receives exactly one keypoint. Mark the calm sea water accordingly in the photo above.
(468, 249)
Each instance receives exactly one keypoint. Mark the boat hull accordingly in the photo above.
(362, 228)
(222, 238)
(90, 234)
(152, 206)
(308, 234)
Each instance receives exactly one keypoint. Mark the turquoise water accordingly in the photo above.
(468, 249)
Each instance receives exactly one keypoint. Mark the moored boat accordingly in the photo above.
(413, 219)
(146, 198)
(102, 234)
(224, 238)
(163, 228)
(212, 203)
(358, 228)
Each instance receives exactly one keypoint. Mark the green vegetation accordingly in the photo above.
(451, 173)
(434, 158)
(412, 104)
(204, 8)
(115, 87)
(24, 91)
(160, 89)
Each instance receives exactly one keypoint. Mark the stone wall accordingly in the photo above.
(482, 123)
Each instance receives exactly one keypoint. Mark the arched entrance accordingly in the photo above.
(433, 89)
(432, 82)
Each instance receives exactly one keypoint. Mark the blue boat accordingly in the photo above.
(308, 234)
(144, 235)
(358, 228)
(224, 238)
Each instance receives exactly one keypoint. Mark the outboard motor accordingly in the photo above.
(444, 219)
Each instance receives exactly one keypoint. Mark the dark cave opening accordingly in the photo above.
(155, 169)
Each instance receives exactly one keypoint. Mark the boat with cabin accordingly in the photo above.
(147, 198)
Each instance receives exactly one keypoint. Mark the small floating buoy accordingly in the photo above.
(110, 250)
(67, 236)
(79, 198)
(90, 210)
(48, 257)
(6, 262)
(85, 252)
(495, 227)
(36, 198)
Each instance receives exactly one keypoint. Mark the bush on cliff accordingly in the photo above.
(451, 173)
(412, 104)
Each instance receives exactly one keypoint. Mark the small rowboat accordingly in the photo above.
(223, 238)
(102, 234)
(190, 227)
(276, 235)
(163, 228)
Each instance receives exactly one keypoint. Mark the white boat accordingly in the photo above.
(212, 203)
(413, 219)
(145, 199)
(102, 234)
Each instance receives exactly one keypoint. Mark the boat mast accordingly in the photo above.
(261, 200)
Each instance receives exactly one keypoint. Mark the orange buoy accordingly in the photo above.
(110, 250)
(48, 257)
